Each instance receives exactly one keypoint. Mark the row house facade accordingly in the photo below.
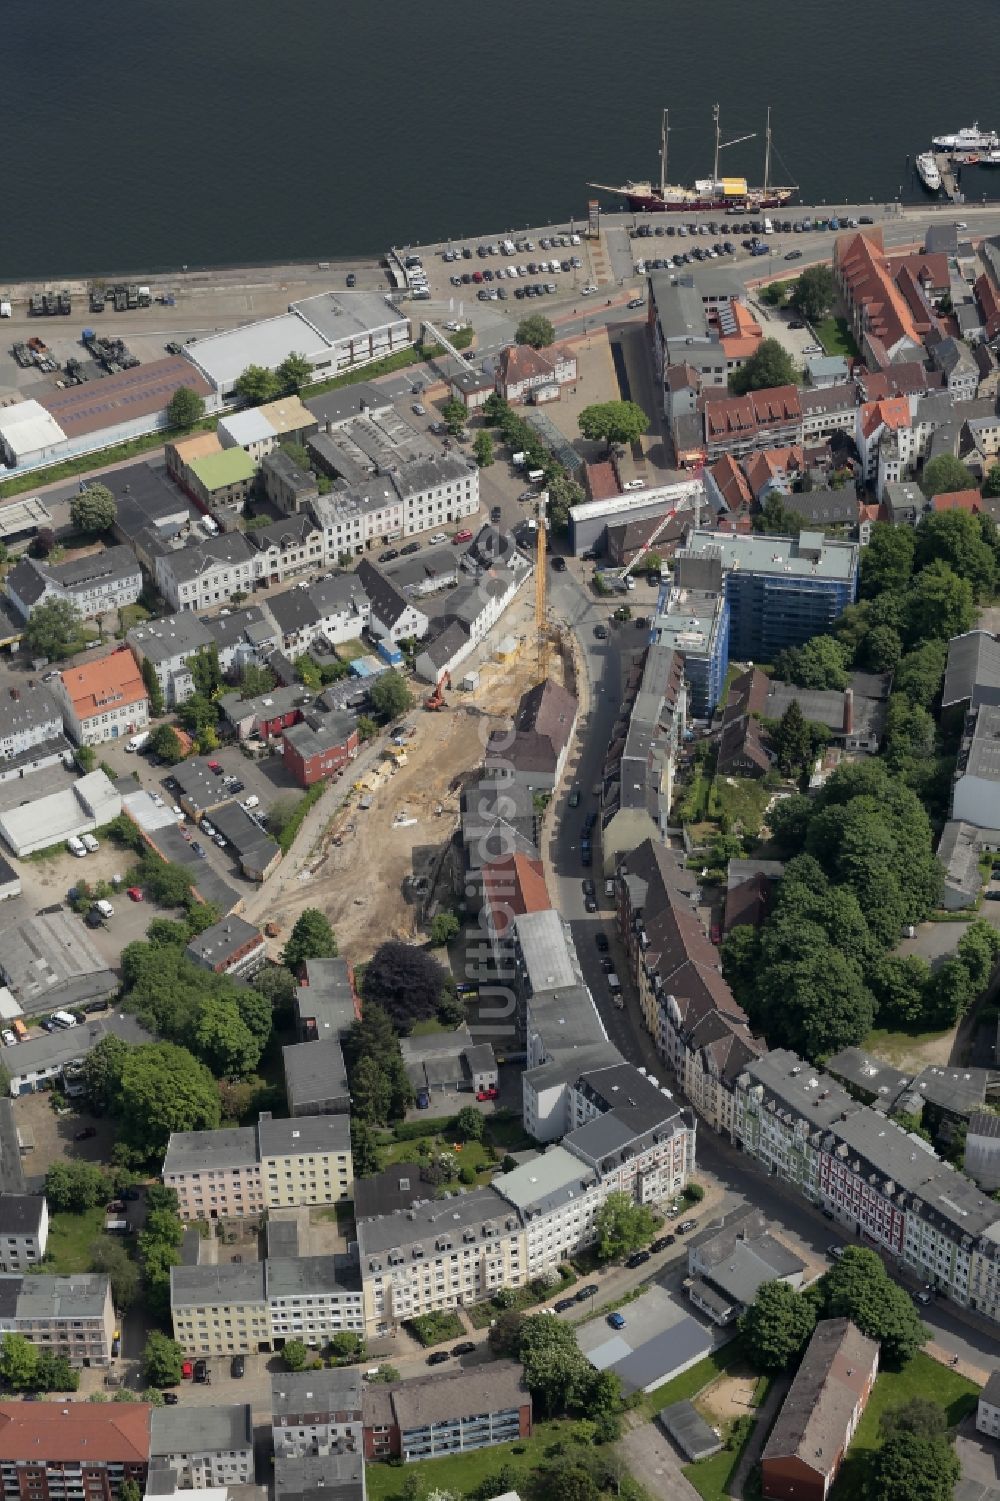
(237, 1309)
(884, 1184)
(277, 1164)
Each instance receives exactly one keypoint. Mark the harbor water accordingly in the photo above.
(204, 132)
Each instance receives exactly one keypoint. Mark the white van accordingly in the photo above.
(614, 984)
(253, 801)
(138, 741)
(76, 847)
(211, 527)
(536, 476)
(104, 907)
(90, 844)
(63, 1019)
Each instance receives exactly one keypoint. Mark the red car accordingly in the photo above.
(135, 894)
(487, 1094)
(463, 536)
(214, 767)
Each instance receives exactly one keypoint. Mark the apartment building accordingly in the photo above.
(203, 1446)
(335, 608)
(820, 1414)
(286, 548)
(102, 700)
(29, 716)
(557, 1196)
(693, 622)
(24, 1231)
(631, 1132)
(393, 617)
(276, 1164)
(168, 646)
(881, 319)
(534, 752)
(96, 584)
(207, 573)
(71, 1315)
(451, 1413)
(220, 1310)
(878, 1180)
(316, 1412)
(312, 1298)
(438, 1255)
(72, 1449)
(637, 785)
(737, 425)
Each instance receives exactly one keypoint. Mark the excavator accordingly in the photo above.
(436, 699)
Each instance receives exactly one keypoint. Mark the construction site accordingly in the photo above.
(381, 855)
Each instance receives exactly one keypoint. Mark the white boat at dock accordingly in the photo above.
(928, 172)
(969, 138)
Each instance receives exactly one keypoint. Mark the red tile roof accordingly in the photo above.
(771, 464)
(601, 481)
(110, 683)
(731, 482)
(60, 1432)
(958, 500)
(514, 886)
(893, 413)
(989, 305)
(863, 271)
(743, 416)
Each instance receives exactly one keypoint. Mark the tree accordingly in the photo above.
(821, 663)
(367, 728)
(364, 1149)
(257, 385)
(900, 989)
(110, 1256)
(166, 743)
(940, 604)
(469, 1124)
(813, 294)
(168, 885)
(776, 519)
(185, 409)
(206, 674)
(311, 938)
(482, 448)
(991, 484)
(294, 1355)
(75, 1187)
(152, 685)
(293, 373)
(93, 510)
(19, 1362)
(554, 1365)
(858, 1287)
(224, 1041)
(444, 927)
(918, 1415)
(881, 649)
(102, 1072)
(536, 331)
(505, 1334)
(455, 416)
(371, 1092)
(944, 475)
(162, 1360)
(791, 741)
(622, 1226)
(909, 1467)
(256, 680)
(390, 697)
(887, 561)
(405, 982)
(776, 1327)
(614, 421)
(53, 629)
(771, 365)
(957, 539)
(921, 672)
(495, 410)
(163, 1089)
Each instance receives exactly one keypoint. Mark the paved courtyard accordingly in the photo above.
(660, 1339)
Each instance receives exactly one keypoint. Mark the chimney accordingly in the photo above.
(848, 711)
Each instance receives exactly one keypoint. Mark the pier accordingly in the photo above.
(949, 182)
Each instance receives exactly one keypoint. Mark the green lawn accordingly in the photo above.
(70, 1239)
(481, 1315)
(741, 799)
(689, 1383)
(896, 1047)
(347, 651)
(921, 1377)
(434, 1328)
(462, 1473)
(836, 338)
(428, 1027)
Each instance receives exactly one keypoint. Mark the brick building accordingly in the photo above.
(61, 1449)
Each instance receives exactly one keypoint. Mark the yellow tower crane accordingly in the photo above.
(541, 622)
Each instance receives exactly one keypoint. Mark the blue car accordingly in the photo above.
(616, 1320)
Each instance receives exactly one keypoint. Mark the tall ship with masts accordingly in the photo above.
(713, 192)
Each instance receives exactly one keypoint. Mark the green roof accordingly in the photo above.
(226, 468)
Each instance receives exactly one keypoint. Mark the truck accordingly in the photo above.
(138, 741)
(5, 309)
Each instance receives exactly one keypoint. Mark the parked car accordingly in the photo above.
(198, 849)
(466, 1347)
(487, 1094)
(574, 798)
(616, 1320)
(601, 939)
(638, 1258)
(685, 1226)
(463, 536)
(601, 632)
(201, 1372)
(438, 1357)
(170, 1399)
(661, 1243)
(565, 1304)
(590, 1291)
(238, 1367)
(85, 1133)
(589, 889)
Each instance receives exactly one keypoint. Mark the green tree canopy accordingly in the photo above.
(94, 509)
(53, 629)
(776, 1327)
(944, 475)
(887, 562)
(614, 421)
(770, 366)
(405, 981)
(455, 416)
(312, 937)
(858, 1287)
(956, 538)
(163, 1089)
(257, 385)
(991, 484)
(256, 680)
(186, 408)
(110, 1256)
(554, 1365)
(102, 1070)
(482, 448)
(792, 741)
(152, 686)
(813, 294)
(293, 373)
(535, 330)
(622, 1226)
(918, 1415)
(294, 1355)
(165, 742)
(390, 695)
(469, 1124)
(819, 663)
(444, 927)
(910, 1467)
(75, 1187)
(939, 604)
(19, 1362)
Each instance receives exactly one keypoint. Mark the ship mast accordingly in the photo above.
(664, 133)
(767, 151)
(715, 117)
